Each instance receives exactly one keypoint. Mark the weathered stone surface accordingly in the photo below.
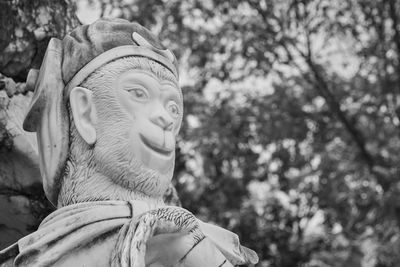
(21, 192)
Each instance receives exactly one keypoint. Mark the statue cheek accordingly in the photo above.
(134, 140)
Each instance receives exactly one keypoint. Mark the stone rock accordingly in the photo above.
(20, 180)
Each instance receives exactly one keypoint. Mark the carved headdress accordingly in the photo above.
(67, 64)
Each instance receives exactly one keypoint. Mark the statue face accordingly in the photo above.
(139, 116)
(154, 108)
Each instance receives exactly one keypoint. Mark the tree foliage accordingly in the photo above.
(292, 123)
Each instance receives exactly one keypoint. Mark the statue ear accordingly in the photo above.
(84, 113)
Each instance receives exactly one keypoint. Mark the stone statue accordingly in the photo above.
(107, 108)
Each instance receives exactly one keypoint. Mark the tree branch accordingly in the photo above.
(323, 89)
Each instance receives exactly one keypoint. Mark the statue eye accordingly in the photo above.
(173, 109)
(138, 94)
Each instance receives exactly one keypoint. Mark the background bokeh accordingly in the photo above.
(291, 133)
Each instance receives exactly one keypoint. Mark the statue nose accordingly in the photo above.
(161, 118)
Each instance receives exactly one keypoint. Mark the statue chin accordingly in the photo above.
(148, 173)
(138, 183)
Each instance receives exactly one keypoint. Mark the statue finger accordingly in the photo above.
(176, 219)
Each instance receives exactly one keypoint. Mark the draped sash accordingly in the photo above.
(78, 226)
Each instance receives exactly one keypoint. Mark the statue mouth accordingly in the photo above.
(155, 147)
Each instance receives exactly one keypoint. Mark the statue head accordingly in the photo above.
(107, 108)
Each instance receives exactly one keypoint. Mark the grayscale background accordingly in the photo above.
(291, 134)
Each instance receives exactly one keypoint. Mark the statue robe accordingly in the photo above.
(85, 234)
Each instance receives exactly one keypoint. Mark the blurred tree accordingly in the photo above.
(291, 133)
(294, 102)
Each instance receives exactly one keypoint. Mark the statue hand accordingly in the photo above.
(167, 234)
(179, 241)
(176, 232)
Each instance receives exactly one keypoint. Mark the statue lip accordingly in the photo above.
(155, 147)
